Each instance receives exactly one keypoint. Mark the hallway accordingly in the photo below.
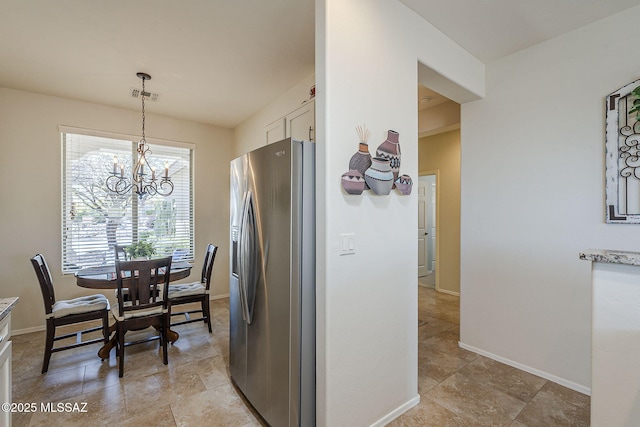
(460, 388)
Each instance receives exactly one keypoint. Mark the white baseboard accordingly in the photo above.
(28, 330)
(445, 291)
(547, 376)
(397, 412)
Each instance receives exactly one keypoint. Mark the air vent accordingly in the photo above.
(136, 92)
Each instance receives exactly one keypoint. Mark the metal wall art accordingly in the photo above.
(381, 173)
(623, 155)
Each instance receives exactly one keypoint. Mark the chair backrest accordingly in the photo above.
(207, 267)
(120, 253)
(46, 284)
(143, 279)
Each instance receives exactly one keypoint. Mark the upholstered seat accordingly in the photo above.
(79, 305)
(196, 292)
(131, 314)
(68, 312)
(181, 290)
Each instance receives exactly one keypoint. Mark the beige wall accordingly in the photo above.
(30, 173)
(441, 153)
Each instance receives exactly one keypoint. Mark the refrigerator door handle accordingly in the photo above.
(248, 258)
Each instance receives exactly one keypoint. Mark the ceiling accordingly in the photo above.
(491, 29)
(219, 62)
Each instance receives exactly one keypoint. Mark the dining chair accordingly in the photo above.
(196, 292)
(68, 312)
(146, 305)
(120, 253)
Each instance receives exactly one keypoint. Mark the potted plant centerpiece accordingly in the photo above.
(140, 250)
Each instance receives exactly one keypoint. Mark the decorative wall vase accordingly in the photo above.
(361, 161)
(353, 182)
(379, 176)
(390, 149)
(404, 183)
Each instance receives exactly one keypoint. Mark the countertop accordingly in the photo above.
(611, 256)
(6, 305)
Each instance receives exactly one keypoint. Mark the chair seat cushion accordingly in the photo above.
(181, 290)
(79, 305)
(115, 310)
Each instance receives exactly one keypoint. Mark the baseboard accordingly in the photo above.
(215, 297)
(397, 412)
(547, 376)
(445, 291)
(28, 330)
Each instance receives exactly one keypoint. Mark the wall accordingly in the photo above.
(367, 54)
(30, 170)
(438, 119)
(441, 153)
(251, 134)
(533, 197)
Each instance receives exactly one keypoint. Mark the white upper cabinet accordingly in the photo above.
(299, 124)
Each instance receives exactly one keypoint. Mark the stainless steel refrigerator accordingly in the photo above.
(272, 283)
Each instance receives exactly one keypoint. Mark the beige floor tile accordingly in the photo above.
(512, 381)
(555, 405)
(476, 402)
(220, 406)
(429, 414)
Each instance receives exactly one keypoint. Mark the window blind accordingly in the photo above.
(95, 219)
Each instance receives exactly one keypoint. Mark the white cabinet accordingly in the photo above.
(5, 369)
(275, 131)
(299, 124)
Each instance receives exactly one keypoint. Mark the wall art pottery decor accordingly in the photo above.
(353, 182)
(361, 160)
(379, 176)
(404, 184)
(390, 149)
(622, 154)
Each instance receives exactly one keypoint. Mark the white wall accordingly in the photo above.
(251, 134)
(367, 54)
(30, 173)
(533, 197)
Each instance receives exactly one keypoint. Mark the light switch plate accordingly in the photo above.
(347, 243)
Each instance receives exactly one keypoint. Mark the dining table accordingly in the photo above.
(104, 277)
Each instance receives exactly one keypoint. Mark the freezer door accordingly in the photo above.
(237, 326)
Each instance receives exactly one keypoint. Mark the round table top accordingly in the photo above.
(104, 277)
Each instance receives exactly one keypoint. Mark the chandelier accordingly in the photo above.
(143, 176)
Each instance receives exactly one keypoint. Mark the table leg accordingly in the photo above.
(172, 336)
(104, 351)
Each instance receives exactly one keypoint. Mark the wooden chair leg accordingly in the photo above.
(105, 327)
(48, 346)
(120, 331)
(205, 311)
(166, 322)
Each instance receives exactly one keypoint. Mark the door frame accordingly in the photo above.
(436, 173)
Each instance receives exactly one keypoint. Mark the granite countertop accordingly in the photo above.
(6, 305)
(611, 256)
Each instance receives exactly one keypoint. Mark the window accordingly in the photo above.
(94, 219)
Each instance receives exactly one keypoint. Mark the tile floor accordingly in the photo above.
(457, 387)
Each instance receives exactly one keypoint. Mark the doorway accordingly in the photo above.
(427, 230)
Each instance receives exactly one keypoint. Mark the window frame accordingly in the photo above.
(135, 228)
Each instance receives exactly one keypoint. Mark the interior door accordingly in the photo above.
(423, 247)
